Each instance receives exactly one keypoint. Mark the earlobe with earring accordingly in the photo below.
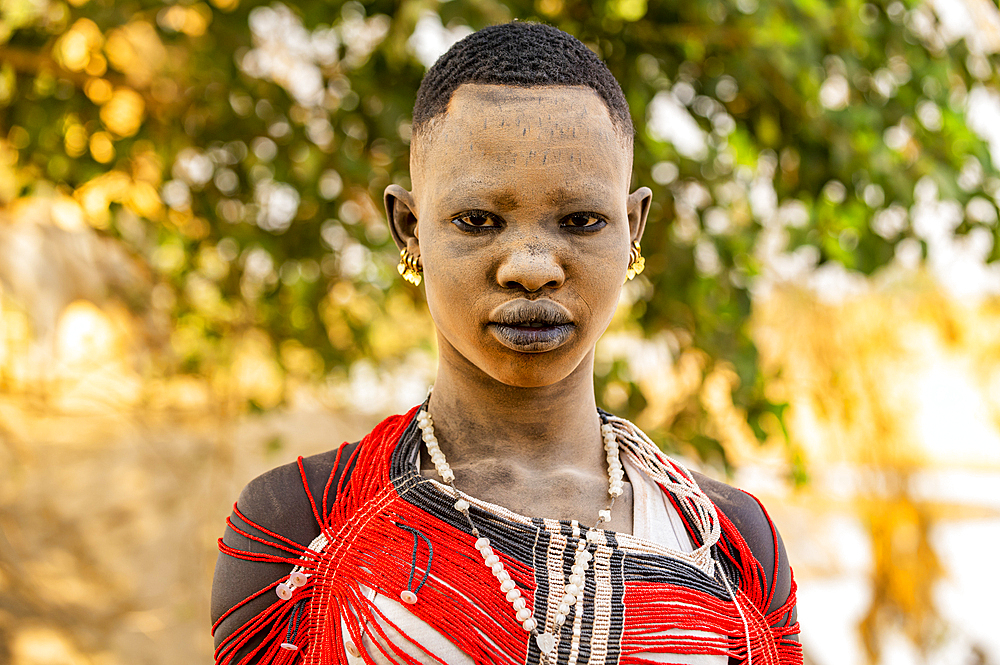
(636, 262)
(409, 267)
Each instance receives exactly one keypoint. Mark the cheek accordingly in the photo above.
(601, 284)
(453, 284)
(605, 300)
(455, 267)
(602, 267)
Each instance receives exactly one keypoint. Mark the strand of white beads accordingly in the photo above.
(573, 591)
(616, 474)
(427, 434)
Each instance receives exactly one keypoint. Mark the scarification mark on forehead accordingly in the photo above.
(557, 128)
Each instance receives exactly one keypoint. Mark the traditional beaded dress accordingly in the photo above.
(393, 533)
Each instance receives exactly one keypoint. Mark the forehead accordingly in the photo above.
(496, 137)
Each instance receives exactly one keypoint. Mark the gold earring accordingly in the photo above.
(636, 261)
(409, 267)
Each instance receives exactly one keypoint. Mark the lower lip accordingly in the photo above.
(531, 340)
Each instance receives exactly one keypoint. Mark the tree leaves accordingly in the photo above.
(240, 151)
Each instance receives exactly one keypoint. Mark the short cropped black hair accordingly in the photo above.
(521, 54)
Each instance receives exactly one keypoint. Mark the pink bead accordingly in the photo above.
(283, 591)
(408, 597)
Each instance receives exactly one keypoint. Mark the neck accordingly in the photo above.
(477, 418)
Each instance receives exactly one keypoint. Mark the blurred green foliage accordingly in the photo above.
(248, 146)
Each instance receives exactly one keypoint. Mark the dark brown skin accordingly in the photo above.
(522, 194)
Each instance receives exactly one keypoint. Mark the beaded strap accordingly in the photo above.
(573, 592)
(680, 603)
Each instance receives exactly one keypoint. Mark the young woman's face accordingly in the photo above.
(523, 223)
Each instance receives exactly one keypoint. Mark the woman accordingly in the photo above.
(507, 519)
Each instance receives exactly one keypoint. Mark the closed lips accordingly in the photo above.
(531, 326)
(531, 314)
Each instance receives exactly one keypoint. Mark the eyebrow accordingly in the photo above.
(504, 200)
(560, 197)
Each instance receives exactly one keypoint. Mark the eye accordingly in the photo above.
(584, 221)
(476, 220)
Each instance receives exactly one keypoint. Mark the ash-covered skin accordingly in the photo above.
(516, 416)
(522, 218)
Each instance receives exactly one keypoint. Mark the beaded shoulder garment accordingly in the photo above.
(396, 532)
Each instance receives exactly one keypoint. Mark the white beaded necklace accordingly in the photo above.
(581, 558)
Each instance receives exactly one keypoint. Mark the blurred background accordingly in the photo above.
(197, 284)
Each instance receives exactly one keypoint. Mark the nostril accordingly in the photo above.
(530, 285)
(531, 270)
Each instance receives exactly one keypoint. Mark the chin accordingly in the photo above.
(527, 382)
(534, 370)
(495, 362)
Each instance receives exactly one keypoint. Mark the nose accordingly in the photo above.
(531, 267)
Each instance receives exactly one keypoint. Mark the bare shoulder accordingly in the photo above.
(748, 516)
(280, 501)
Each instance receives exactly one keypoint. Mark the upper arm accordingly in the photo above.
(761, 536)
(278, 502)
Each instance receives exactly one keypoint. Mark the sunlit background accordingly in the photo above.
(196, 284)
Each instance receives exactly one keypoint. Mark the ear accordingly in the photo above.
(638, 209)
(399, 210)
